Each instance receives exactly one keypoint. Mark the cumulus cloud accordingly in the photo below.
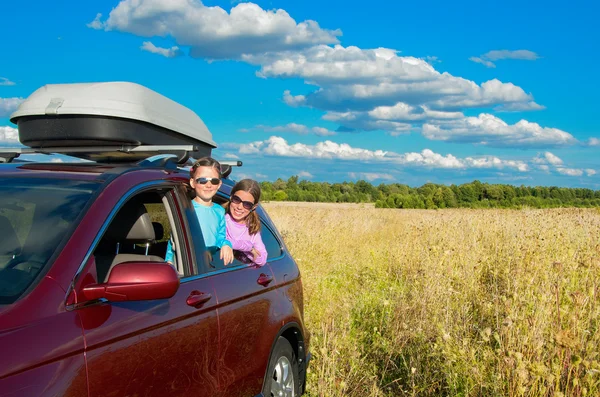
(553, 159)
(593, 142)
(569, 171)
(293, 100)
(9, 135)
(350, 78)
(489, 130)
(212, 32)
(4, 81)
(546, 160)
(495, 55)
(166, 52)
(295, 128)
(277, 146)
(9, 105)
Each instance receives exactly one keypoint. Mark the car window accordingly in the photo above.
(140, 231)
(35, 217)
(271, 243)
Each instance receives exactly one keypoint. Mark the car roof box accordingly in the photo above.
(108, 114)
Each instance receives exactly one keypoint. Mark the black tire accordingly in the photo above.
(282, 378)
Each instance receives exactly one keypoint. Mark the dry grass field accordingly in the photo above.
(450, 302)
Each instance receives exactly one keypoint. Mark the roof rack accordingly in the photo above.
(105, 154)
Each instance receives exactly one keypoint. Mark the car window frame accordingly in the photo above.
(137, 189)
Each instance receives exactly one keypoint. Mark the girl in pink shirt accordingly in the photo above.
(243, 223)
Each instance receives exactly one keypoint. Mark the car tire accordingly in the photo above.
(282, 378)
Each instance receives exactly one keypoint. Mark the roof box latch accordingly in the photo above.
(53, 106)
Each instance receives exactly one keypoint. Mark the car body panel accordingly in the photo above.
(158, 347)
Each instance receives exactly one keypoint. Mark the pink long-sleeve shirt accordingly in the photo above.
(241, 240)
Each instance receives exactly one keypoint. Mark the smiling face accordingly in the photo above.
(205, 192)
(237, 210)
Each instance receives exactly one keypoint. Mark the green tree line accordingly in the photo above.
(430, 196)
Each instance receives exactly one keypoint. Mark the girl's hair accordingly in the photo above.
(205, 162)
(252, 187)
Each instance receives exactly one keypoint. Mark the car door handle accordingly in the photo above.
(197, 298)
(264, 280)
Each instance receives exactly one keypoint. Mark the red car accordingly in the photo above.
(88, 307)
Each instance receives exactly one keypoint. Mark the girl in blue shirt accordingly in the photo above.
(205, 179)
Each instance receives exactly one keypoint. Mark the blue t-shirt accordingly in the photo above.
(212, 224)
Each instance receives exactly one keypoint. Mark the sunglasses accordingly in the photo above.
(246, 204)
(204, 181)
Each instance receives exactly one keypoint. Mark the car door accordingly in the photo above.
(245, 297)
(154, 347)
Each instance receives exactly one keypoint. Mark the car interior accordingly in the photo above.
(137, 233)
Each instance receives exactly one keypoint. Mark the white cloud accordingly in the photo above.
(489, 130)
(166, 52)
(9, 135)
(593, 142)
(96, 23)
(277, 146)
(507, 54)
(305, 174)
(519, 107)
(9, 105)
(350, 78)
(484, 62)
(4, 81)
(231, 156)
(371, 176)
(487, 58)
(569, 171)
(320, 131)
(431, 59)
(293, 101)
(212, 32)
(300, 129)
(547, 159)
(553, 159)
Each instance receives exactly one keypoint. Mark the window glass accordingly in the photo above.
(35, 216)
(136, 233)
(271, 243)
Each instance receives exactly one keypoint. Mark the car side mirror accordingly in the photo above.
(135, 281)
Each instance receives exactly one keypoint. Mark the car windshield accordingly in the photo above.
(35, 215)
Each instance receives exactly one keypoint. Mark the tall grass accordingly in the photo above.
(451, 302)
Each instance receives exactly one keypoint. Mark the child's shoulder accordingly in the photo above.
(218, 209)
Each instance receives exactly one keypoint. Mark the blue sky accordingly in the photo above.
(445, 92)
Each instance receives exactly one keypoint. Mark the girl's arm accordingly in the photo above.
(260, 247)
(241, 245)
(222, 233)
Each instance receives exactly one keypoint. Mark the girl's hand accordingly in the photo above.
(226, 255)
(255, 254)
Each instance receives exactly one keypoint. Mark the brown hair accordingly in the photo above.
(252, 187)
(205, 162)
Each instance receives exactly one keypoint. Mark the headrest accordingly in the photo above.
(9, 243)
(159, 230)
(133, 224)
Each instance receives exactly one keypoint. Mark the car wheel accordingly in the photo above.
(282, 372)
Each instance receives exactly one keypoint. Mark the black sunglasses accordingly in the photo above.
(204, 181)
(246, 204)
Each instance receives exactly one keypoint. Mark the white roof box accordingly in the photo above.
(112, 113)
